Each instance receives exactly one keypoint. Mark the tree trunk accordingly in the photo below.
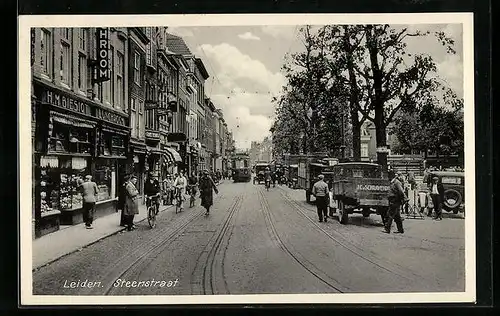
(356, 135)
(353, 100)
(378, 102)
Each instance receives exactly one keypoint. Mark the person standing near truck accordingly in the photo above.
(320, 191)
(396, 198)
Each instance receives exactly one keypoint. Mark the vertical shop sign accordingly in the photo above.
(103, 65)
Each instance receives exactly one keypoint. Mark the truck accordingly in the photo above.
(310, 167)
(359, 187)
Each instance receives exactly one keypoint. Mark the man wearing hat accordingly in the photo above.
(437, 194)
(89, 195)
(396, 198)
(320, 191)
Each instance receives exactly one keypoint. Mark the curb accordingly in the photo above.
(121, 229)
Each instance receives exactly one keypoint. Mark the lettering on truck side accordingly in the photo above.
(371, 187)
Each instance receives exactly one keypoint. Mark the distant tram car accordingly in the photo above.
(240, 165)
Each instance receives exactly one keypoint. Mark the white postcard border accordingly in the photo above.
(25, 156)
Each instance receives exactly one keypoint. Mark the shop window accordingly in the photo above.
(69, 139)
(60, 178)
(103, 176)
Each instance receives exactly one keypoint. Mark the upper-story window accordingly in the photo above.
(65, 58)
(46, 52)
(137, 68)
(120, 82)
(82, 59)
(83, 38)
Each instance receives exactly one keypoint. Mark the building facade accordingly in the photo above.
(112, 102)
(80, 120)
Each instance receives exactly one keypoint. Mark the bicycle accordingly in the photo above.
(178, 200)
(152, 210)
(268, 184)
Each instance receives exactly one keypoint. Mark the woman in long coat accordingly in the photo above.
(207, 186)
(131, 202)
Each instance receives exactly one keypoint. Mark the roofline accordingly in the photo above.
(201, 67)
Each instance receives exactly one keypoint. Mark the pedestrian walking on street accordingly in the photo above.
(396, 198)
(320, 191)
(89, 194)
(131, 202)
(437, 193)
(207, 186)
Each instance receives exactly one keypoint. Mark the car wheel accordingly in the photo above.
(452, 199)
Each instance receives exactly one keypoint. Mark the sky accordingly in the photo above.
(244, 64)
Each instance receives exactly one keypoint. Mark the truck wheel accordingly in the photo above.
(343, 216)
(366, 212)
(308, 196)
(455, 210)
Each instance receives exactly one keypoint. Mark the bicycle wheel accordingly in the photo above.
(152, 217)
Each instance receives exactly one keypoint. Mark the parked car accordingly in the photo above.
(454, 189)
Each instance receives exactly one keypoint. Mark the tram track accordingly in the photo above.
(359, 251)
(205, 278)
(144, 253)
(303, 262)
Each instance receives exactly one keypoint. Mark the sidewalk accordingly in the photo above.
(51, 247)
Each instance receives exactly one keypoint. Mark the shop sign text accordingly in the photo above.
(66, 102)
(103, 71)
(109, 117)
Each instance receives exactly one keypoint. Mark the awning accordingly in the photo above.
(166, 159)
(175, 154)
(70, 120)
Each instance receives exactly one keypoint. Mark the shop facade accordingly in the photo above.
(74, 137)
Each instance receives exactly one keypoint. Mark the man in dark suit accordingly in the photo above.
(437, 195)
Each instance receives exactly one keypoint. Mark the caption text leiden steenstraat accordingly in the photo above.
(121, 283)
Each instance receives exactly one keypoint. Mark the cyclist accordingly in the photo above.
(180, 184)
(192, 184)
(152, 192)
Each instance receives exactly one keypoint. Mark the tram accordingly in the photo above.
(240, 165)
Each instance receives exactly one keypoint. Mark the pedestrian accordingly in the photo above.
(207, 186)
(320, 191)
(169, 189)
(437, 193)
(89, 194)
(131, 202)
(180, 185)
(121, 203)
(396, 198)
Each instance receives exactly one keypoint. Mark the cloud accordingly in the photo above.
(233, 65)
(181, 31)
(280, 31)
(249, 36)
(243, 89)
(451, 70)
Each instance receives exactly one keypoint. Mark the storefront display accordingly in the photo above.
(60, 178)
(104, 171)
